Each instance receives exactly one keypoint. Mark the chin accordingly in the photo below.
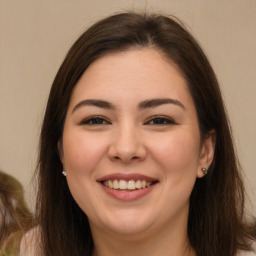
(128, 223)
(129, 229)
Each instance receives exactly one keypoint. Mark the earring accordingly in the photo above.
(204, 170)
(64, 173)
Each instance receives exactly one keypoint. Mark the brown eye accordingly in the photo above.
(160, 121)
(95, 121)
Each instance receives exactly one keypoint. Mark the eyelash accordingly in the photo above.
(155, 120)
(95, 120)
(160, 120)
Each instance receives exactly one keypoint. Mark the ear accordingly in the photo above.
(206, 153)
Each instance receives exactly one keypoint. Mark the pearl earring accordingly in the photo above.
(64, 173)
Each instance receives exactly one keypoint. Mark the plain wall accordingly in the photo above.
(35, 36)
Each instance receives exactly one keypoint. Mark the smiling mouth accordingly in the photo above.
(128, 185)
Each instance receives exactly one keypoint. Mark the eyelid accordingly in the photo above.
(86, 120)
(169, 120)
(104, 121)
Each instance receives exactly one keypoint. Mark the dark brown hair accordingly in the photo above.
(15, 217)
(215, 225)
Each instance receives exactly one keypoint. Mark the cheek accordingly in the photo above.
(82, 153)
(177, 152)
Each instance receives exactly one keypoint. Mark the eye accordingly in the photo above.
(95, 120)
(160, 120)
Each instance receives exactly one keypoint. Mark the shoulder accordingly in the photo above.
(245, 253)
(30, 243)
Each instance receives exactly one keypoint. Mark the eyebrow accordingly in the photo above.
(96, 103)
(151, 103)
(158, 102)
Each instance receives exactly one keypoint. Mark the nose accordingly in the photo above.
(127, 145)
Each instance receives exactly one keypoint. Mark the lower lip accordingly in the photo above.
(127, 195)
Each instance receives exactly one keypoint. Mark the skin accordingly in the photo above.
(129, 139)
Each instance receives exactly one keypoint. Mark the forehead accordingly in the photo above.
(133, 74)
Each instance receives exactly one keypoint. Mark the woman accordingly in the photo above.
(15, 217)
(136, 154)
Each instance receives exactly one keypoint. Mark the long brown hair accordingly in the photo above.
(215, 225)
(15, 217)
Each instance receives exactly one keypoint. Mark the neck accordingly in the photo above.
(160, 243)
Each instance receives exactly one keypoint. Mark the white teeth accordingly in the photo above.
(115, 184)
(138, 184)
(110, 184)
(124, 185)
(131, 184)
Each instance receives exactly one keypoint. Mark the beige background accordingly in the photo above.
(35, 36)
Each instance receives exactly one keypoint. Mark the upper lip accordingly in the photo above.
(127, 177)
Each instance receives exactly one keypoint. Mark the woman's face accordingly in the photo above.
(131, 144)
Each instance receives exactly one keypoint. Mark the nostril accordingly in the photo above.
(126, 153)
(126, 159)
